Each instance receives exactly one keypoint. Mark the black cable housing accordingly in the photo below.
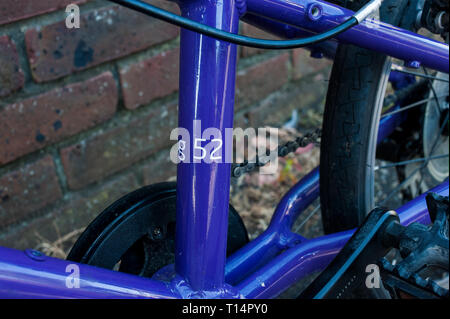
(231, 37)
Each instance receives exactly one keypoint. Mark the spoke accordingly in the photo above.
(404, 93)
(398, 68)
(441, 129)
(400, 186)
(435, 143)
(408, 107)
(415, 160)
(430, 85)
(315, 210)
(420, 168)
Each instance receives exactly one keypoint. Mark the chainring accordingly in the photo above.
(136, 234)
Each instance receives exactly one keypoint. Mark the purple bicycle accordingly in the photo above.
(386, 108)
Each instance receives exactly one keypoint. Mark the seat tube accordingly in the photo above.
(206, 100)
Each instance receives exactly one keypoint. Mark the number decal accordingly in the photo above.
(219, 147)
(181, 148)
(198, 146)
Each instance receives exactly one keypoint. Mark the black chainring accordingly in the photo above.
(136, 234)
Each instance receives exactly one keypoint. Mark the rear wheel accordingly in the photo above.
(350, 158)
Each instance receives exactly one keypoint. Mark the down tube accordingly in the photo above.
(27, 274)
(206, 98)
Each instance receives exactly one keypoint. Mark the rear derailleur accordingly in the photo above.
(386, 260)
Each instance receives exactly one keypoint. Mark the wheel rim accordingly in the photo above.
(434, 113)
(429, 165)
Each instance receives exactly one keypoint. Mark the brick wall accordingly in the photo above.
(85, 114)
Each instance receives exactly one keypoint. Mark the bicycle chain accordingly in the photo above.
(238, 169)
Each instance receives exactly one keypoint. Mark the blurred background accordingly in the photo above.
(85, 117)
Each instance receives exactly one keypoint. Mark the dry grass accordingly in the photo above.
(60, 247)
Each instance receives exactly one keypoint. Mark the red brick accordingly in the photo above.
(74, 212)
(104, 35)
(307, 97)
(11, 75)
(283, 102)
(241, 120)
(254, 32)
(27, 189)
(31, 124)
(110, 151)
(14, 10)
(159, 168)
(259, 80)
(152, 78)
(303, 64)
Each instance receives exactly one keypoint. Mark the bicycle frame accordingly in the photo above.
(277, 258)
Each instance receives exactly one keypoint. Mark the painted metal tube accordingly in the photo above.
(389, 123)
(252, 256)
(314, 255)
(26, 274)
(278, 235)
(296, 200)
(293, 265)
(207, 86)
(416, 210)
(369, 34)
(326, 49)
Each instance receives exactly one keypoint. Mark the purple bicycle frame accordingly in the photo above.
(277, 258)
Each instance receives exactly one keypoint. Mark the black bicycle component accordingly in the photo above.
(435, 17)
(346, 275)
(136, 234)
(282, 151)
(351, 181)
(354, 103)
(231, 37)
(421, 248)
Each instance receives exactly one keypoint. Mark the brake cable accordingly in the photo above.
(191, 25)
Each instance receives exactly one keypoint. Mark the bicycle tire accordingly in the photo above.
(350, 126)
